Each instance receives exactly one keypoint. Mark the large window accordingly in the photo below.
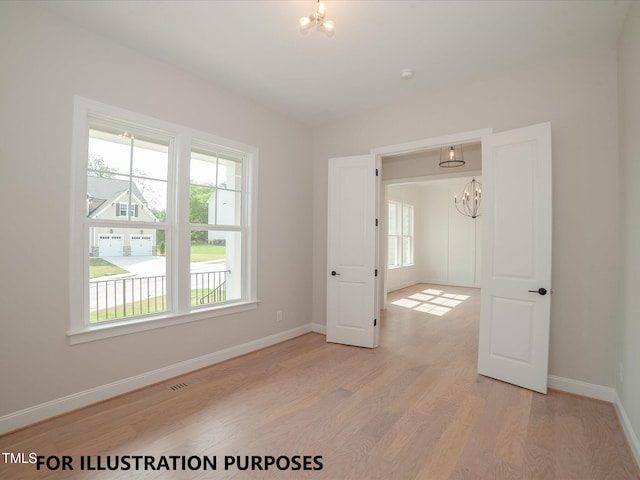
(163, 217)
(400, 237)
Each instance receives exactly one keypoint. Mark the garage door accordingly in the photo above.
(141, 244)
(110, 245)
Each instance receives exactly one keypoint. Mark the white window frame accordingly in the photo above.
(178, 232)
(407, 235)
(397, 206)
(401, 234)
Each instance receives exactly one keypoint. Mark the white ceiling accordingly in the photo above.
(254, 47)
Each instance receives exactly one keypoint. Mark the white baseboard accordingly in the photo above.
(585, 389)
(319, 328)
(632, 438)
(37, 413)
(452, 284)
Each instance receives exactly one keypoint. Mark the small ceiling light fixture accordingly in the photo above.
(406, 74)
(317, 19)
(452, 157)
(471, 198)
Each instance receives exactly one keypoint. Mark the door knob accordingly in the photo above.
(334, 273)
(541, 291)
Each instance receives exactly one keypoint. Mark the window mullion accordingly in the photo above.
(182, 236)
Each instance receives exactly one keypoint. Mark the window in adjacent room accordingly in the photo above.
(400, 237)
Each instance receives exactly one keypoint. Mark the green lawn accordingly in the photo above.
(152, 305)
(99, 267)
(203, 252)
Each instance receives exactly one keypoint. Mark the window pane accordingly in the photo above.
(228, 204)
(393, 218)
(215, 196)
(127, 272)
(126, 177)
(202, 204)
(216, 267)
(150, 159)
(407, 251)
(109, 153)
(407, 219)
(152, 202)
(393, 251)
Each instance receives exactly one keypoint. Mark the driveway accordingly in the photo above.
(140, 266)
(151, 266)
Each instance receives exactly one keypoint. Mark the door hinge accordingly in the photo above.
(375, 322)
(376, 172)
(376, 273)
(376, 222)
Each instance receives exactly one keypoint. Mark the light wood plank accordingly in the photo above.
(446, 453)
(513, 432)
(412, 408)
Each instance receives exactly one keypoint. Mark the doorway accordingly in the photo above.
(424, 238)
(515, 308)
(515, 311)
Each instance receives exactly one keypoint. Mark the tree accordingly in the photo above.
(98, 167)
(199, 208)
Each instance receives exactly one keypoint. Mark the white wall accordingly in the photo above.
(447, 243)
(579, 96)
(45, 62)
(629, 116)
(451, 243)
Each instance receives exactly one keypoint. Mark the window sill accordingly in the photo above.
(99, 332)
(398, 267)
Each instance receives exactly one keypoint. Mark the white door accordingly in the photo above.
(516, 265)
(352, 311)
(141, 245)
(110, 245)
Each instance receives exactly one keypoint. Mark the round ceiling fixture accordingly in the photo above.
(406, 74)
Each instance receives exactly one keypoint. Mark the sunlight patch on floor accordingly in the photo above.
(406, 303)
(421, 297)
(431, 301)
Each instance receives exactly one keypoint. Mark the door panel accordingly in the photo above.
(351, 251)
(510, 335)
(514, 317)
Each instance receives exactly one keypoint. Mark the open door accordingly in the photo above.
(352, 310)
(516, 256)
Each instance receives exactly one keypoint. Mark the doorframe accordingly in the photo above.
(401, 149)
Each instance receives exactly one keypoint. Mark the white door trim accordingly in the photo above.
(433, 142)
(410, 147)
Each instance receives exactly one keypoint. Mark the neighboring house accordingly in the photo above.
(108, 198)
(222, 211)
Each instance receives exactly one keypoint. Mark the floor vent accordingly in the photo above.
(178, 386)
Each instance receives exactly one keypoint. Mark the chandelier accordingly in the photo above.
(469, 205)
(453, 157)
(317, 19)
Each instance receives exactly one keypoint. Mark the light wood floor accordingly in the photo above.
(414, 408)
